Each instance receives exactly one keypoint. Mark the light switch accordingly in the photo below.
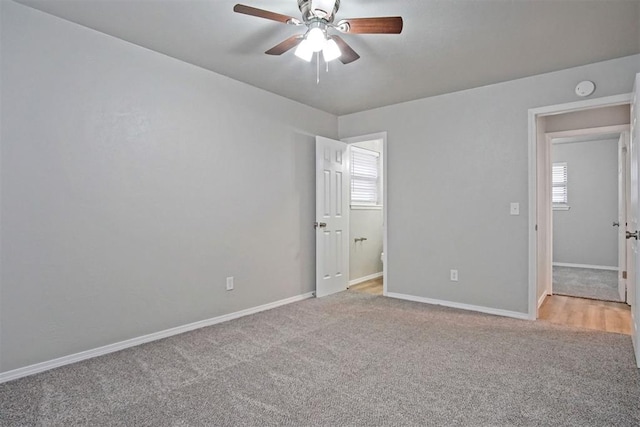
(515, 209)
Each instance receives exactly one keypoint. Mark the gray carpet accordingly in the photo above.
(586, 283)
(347, 359)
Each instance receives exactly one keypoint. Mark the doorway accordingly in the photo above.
(351, 226)
(367, 225)
(543, 133)
(540, 203)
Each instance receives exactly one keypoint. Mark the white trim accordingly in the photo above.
(585, 104)
(533, 277)
(534, 113)
(365, 278)
(542, 297)
(385, 192)
(358, 207)
(469, 307)
(600, 130)
(634, 340)
(595, 267)
(110, 348)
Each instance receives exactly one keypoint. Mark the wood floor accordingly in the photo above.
(373, 287)
(587, 313)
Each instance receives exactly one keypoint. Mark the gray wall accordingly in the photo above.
(584, 234)
(454, 163)
(364, 257)
(133, 183)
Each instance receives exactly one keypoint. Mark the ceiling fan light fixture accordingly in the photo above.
(304, 51)
(316, 38)
(331, 51)
(319, 16)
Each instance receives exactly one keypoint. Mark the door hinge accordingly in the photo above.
(624, 274)
(536, 227)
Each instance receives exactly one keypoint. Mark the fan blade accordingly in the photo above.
(260, 13)
(384, 25)
(348, 55)
(289, 43)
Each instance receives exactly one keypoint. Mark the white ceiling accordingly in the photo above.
(446, 45)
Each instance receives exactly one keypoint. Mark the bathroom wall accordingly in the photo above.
(364, 256)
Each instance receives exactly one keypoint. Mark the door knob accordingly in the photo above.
(319, 224)
(634, 235)
(616, 224)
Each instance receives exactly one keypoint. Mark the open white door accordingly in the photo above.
(332, 216)
(622, 216)
(632, 227)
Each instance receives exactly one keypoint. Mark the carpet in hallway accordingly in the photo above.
(586, 283)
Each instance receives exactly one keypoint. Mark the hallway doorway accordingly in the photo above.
(595, 118)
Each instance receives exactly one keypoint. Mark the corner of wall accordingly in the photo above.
(339, 127)
(1, 48)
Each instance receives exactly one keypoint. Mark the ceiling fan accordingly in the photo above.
(319, 16)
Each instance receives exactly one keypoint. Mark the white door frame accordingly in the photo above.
(624, 193)
(534, 152)
(385, 249)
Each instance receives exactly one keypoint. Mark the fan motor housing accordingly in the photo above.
(308, 15)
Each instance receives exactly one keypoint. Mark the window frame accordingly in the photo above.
(359, 204)
(563, 205)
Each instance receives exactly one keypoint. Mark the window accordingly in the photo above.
(559, 186)
(365, 177)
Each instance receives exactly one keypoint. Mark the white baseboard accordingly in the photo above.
(542, 297)
(365, 278)
(595, 267)
(110, 348)
(478, 308)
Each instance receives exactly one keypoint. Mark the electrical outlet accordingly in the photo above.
(454, 275)
(229, 283)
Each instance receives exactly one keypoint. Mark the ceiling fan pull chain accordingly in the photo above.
(318, 68)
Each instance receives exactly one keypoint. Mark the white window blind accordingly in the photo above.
(364, 176)
(559, 181)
